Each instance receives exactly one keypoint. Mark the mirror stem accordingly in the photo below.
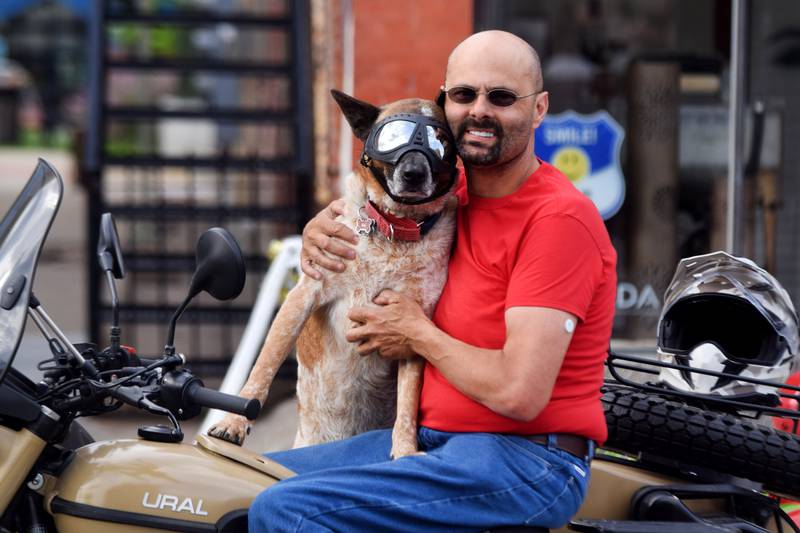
(115, 329)
(169, 347)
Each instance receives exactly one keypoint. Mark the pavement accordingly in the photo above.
(61, 286)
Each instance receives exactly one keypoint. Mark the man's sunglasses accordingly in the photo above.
(463, 94)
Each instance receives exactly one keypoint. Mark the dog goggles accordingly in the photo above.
(396, 135)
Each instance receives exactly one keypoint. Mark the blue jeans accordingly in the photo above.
(464, 482)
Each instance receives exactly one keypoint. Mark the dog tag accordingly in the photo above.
(364, 226)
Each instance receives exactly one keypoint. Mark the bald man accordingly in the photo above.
(510, 409)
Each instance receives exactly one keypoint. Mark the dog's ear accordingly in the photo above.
(360, 115)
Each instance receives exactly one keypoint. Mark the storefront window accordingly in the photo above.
(657, 71)
(773, 190)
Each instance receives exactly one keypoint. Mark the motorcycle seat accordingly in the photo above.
(243, 456)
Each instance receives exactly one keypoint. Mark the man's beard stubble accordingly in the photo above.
(488, 157)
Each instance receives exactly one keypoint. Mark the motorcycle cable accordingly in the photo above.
(81, 405)
(44, 323)
(60, 357)
(102, 386)
(171, 360)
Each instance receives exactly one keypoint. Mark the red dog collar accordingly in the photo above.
(394, 228)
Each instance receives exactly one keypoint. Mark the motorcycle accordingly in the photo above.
(54, 477)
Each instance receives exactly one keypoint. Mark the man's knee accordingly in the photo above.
(275, 509)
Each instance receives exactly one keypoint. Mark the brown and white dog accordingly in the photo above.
(339, 392)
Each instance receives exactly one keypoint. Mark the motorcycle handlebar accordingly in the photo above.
(224, 402)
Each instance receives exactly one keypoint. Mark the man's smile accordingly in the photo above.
(484, 134)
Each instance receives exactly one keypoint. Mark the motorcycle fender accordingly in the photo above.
(122, 485)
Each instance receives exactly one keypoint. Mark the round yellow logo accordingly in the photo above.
(573, 162)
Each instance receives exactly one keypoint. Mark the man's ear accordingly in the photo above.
(541, 105)
(360, 115)
(440, 98)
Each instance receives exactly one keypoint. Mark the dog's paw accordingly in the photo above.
(232, 428)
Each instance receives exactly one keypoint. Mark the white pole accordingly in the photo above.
(255, 332)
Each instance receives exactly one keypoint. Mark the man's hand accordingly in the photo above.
(324, 242)
(388, 329)
(515, 381)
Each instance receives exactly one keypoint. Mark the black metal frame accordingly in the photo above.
(298, 166)
(645, 364)
(665, 502)
(661, 509)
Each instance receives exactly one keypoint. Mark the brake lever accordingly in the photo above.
(151, 407)
(137, 397)
(158, 432)
(132, 394)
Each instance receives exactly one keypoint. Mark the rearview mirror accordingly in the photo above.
(220, 269)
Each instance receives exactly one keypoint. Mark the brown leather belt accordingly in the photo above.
(577, 446)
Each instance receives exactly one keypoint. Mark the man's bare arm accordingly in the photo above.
(517, 380)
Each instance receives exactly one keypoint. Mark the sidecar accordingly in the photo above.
(683, 462)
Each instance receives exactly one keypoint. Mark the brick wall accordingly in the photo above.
(400, 51)
(401, 47)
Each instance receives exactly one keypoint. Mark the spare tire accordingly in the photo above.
(645, 422)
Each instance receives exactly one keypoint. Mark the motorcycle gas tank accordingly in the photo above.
(122, 485)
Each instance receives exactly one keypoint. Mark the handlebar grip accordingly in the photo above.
(224, 402)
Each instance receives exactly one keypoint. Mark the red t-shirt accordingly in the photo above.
(544, 245)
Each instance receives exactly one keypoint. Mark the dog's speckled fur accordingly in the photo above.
(339, 392)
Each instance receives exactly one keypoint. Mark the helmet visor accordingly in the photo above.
(718, 274)
(730, 322)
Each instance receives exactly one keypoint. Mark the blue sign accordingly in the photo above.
(586, 148)
(10, 8)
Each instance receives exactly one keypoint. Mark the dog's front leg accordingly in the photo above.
(409, 385)
(300, 303)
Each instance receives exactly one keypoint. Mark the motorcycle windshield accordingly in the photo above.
(22, 234)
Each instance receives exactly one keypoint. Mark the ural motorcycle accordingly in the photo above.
(53, 477)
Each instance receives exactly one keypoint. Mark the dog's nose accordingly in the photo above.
(413, 174)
